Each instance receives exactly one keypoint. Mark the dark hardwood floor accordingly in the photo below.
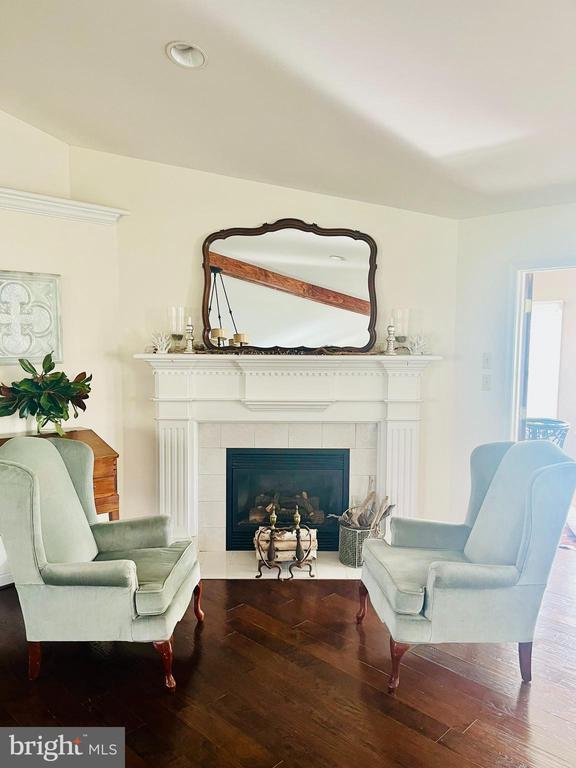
(281, 675)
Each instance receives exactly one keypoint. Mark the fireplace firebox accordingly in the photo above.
(315, 480)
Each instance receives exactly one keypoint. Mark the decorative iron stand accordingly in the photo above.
(267, 553)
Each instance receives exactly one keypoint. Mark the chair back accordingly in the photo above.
(514, 506)
(65, 532)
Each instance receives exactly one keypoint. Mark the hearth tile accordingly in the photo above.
(239, 435)
(303, 435)
(212, 461)
(358, 488)
(242, 565)
(271, 435)
(212, 488)
(212, 539)
(363, 461)
(209, 435)
(338, 435)
(330, 567)
(366, 435)
(212, 513)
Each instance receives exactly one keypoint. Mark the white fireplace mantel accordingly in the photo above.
(284, 388)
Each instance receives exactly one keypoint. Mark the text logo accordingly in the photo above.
(88, 747)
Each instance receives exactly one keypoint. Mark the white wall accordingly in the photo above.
(172, 211)
(491, 251)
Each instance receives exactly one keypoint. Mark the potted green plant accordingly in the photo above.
(47, 395)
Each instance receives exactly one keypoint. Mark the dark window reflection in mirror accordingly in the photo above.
(289, 286)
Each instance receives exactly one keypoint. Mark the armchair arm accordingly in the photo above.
(136, 533)
(428, 534)
(447, 575)
(105, 573)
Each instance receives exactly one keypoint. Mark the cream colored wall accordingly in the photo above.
(560, 285)
(84, 254)
(491, 251)
(32, 160)
(172, 211)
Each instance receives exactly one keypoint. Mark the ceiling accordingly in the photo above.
(452, 107)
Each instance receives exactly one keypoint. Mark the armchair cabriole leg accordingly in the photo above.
(525, 657)
(198, 612)
(164, 648)
(34, 660)
(363, 595)
(397, 650)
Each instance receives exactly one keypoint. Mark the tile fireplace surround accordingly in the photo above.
(207, 403)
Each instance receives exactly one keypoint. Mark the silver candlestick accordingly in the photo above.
(189, 336)
(390, 341)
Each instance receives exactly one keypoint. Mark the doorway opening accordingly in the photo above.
(545, 389)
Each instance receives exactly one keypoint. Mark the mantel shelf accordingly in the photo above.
(287, 363)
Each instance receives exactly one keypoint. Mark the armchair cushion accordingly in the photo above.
(119, 573)
(450, 575)
(160, 570)
(402, 572)
(137, 533)
(431, 534)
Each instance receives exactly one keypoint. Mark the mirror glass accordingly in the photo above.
(289, 288)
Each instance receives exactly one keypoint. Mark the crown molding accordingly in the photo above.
(58, 207)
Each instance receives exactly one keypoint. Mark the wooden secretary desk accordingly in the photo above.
(105, 467)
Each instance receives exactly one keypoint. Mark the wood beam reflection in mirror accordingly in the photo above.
(251, 273)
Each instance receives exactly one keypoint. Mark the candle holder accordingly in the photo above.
(189, 348)
(219, 335)
(241, 339)
(176, 322)
(390, 341)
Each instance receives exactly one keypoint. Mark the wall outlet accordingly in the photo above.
(486, 361)
(486, 385)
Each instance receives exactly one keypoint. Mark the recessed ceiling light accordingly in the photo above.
(334, 257)
(186, 55)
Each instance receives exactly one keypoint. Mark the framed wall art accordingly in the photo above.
(30, 322)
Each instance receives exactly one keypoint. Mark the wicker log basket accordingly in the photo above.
(359, 523)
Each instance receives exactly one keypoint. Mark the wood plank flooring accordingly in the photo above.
(280, 675)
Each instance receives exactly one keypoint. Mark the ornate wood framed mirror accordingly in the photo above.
(289, 288)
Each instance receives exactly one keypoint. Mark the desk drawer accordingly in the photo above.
(104, 486)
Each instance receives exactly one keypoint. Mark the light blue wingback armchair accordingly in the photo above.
(78, 579)
(481, 581)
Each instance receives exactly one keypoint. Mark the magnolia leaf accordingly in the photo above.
(8, 408)
(26, 385)
(28, 367)
(48, 364)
